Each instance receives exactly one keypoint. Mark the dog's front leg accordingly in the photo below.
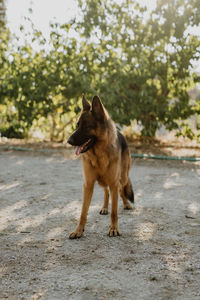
(114, 190)
(87, 196)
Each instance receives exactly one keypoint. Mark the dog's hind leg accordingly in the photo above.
(124, 188)
(124, 199)
(126, 191)
(104, 210)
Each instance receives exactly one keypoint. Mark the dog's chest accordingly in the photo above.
(98, 161)
(100, 164)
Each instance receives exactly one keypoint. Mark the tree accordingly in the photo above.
(2, 15)
(144, 61)
(4, 38)
(140, 63)
(42, 84)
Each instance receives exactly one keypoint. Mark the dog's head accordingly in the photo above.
(93, 118)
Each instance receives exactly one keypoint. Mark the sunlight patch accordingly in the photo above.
(9, 186)
(146, 231)
(8, 213)
(55, 232)
(158, 195)
(194, 207)
(171, 184)
(19, 162)
(31, 222)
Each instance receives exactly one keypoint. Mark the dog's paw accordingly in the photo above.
(113, 231)
(127, 206)
(76, 234)
(103, 211)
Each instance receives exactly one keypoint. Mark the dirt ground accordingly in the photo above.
(157, 255)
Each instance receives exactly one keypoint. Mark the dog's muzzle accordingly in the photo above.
(71, 140)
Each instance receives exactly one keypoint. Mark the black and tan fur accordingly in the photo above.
(106, 159)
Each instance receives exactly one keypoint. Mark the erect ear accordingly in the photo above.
(86, 105)
(98, 109)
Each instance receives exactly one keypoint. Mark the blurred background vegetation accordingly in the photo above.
(141, 64)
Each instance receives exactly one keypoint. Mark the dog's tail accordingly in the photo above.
(128, 191)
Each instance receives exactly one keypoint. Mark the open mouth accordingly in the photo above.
(84, 147)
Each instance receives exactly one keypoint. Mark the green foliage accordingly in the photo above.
(2, 16)
(145, 63)
(139, 63)
(42, 84)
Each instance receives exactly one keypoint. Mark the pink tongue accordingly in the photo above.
(78, 150)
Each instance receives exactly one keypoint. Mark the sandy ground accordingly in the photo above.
(157, 255)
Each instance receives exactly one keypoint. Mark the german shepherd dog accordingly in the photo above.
(105, 158)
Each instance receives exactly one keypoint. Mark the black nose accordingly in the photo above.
(71, 140)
